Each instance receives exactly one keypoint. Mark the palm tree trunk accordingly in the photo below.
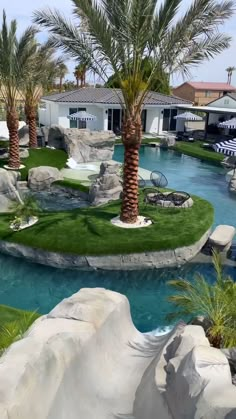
(14, 148)
(31, 115)
(60, 88)
(77, 82)
(132, 135)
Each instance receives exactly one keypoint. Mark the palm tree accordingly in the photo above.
(62, 71)
(230, 71)
(15, 63)
(43, 66)
(119, 35)
(80, 74)
(216, 302)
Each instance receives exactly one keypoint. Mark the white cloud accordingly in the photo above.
(213, 70)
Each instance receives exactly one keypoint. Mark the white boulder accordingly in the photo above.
(8, 189)
(86, 360)
(41, 178)
(222, 237)
(108, 185)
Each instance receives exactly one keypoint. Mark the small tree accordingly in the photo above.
(230, 71)
(216, 302)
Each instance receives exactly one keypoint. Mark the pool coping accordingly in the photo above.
(134, 261)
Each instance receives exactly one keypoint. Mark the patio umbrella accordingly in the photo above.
(188, 116)
(231, 123)
(226, 147)
(82, 116)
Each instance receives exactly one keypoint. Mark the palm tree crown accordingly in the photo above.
(118, 35)
(230, 71)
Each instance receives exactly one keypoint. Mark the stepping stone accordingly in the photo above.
(222, 237)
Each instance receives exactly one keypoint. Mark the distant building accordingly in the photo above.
(201, 93)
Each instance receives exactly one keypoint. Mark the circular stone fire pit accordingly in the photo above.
(169, 203)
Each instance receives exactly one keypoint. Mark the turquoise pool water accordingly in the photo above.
(188, 174)
(35, 287)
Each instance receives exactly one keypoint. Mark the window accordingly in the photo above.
(73, 123)
(207, 93)
(226, 102)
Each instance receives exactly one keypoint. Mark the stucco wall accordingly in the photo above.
(92, 109)
(224, 102)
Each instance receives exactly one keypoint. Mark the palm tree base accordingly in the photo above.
(13, 168)
(140, 223)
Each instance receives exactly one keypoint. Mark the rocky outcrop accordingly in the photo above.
(8, 189)
(232, 183)
(86, 360)
(133, 261)
(108, 185)
(168, 141)
(41, 178)
(24, 135)
(86, 146)
(55, 137)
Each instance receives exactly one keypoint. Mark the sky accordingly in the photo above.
(213, 70)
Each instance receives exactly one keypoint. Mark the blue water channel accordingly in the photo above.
(35, 287)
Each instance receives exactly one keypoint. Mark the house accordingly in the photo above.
(201, 93)
(104, 103)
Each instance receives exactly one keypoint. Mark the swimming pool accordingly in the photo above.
(35, 287)
(189, 174)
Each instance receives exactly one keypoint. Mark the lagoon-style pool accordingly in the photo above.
(185, 173)
(35, 287)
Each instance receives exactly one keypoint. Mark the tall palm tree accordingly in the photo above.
(62, 71)
(118, 35)
(80, 74)
(230, 71)
(15, 63)
(35, 81)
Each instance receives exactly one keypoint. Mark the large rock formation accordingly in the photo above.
(40, 178)
(86, 146)
(54, 136)
(86, 360)
(108, 185)
(8, 189)
(24, 135)
(232, 183)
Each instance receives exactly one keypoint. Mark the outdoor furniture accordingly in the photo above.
(178, 198)
(158, 179)
(179, 136)
(141, 182)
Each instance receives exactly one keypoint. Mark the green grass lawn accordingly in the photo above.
(90, 232)
(41, 157)
(195, 149)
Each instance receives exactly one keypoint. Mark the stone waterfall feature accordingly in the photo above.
(108, 185)
(85, 359)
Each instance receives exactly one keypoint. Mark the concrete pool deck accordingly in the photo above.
(87, 176)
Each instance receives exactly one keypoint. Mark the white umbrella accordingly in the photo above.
(82, 116)
(226, 147)
(188, 116)
(231, 123)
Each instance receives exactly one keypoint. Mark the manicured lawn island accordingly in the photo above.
(89, 231)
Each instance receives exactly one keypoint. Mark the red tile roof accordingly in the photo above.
(212, 86)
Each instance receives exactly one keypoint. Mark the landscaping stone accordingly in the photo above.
(24, 135)
(87, 146)
(24, 153)
(133, 261)
(125, 374)
(168, 141)
(40, 178)
(108, 185)
(232, 183)
(231, 356)
(55, 137)
(222, 237)
(8, 189)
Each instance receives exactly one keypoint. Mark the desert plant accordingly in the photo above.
(27, 209)
(15, 331)
(215, 302)
(118, 34)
